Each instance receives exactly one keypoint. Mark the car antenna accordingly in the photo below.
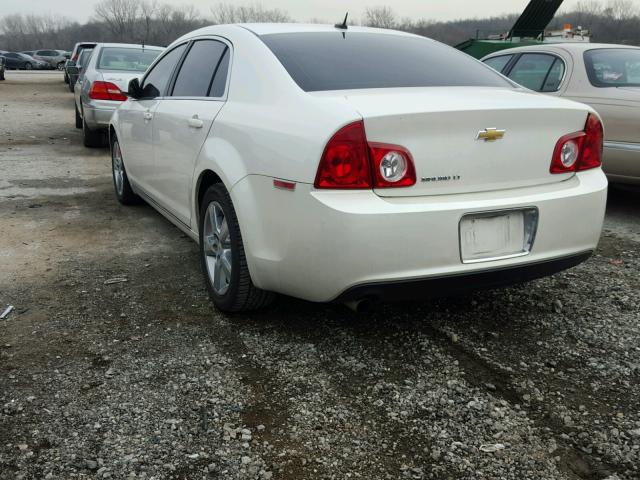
(343, 25)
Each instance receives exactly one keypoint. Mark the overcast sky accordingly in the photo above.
(301, 10)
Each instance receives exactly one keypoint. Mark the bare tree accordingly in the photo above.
(620, 9)
(381, 17)
(228, 13)
(120, 16)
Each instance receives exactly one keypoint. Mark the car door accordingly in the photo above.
(136, 119)
(12, 60)
(182, 122)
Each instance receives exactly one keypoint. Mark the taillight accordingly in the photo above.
(106, 91)
(593, 143)
(345, 161)
(349, 162)
(581, 150)
(392, 166)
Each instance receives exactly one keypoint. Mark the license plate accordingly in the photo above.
(497, 235)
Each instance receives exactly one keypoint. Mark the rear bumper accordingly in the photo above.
(462, 282)
(321, 245)
(621, 162)
(98, 114)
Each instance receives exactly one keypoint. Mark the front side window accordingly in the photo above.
(613, 67)
(198, 69)
(354, 60)
(498, 63)
(126, 59)
(532, 70)
(157, 80)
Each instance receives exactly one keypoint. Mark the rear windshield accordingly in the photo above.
(126, 59)
(354, 60)
(613, 67)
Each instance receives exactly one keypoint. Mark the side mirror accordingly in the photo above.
(134, 90)
(73, 70)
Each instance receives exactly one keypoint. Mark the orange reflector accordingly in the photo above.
(284, 185)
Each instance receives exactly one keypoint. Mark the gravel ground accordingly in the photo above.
(115, 365)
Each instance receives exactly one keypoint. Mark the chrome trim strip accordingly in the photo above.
(628, 147)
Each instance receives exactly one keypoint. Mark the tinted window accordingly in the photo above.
(498, 63)
(196, 73)
(353, 60)
(613, 67)
(84, 57)
(126, 59)
(531, 70)
(555, 76)
(220, 78)
(155, 83)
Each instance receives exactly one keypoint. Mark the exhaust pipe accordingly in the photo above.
(361, 305)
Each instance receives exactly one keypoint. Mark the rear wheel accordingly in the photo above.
(124, 192)
(66, 77)
(78, 118)
(60, 66)
(222, 256)
(91, 138)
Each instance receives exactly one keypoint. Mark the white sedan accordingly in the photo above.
(357, 164)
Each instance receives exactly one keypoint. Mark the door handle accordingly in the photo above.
(147, 115)
(195, 122)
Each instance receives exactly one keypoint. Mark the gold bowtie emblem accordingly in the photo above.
(490, 134)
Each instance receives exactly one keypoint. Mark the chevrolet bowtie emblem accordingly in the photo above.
(490, 134)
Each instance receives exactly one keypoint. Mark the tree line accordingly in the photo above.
(155, 23)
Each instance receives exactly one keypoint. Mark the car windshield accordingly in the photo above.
(354, 60)
(126, 59)
(613, 67)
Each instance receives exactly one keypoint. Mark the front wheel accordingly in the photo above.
(124, 192)
(28, 66)
(222, 256)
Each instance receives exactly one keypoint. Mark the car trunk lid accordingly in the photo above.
(443, 129)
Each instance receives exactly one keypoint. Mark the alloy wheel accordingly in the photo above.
(217, 248)
(118, 168)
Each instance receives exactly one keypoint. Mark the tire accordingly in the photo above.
(28, 66)
(91, 138)
(60, 66)
(2, 75)
(70, 85)
(66, 77)
(78, 117)
(121, 185)
(234, 292)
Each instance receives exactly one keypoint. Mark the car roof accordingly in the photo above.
(128, 45)
(577, 47)
(269, 28)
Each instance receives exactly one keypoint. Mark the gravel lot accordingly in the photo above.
(115, 365)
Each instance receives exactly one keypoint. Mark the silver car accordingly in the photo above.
(54, 58)
(102, 82)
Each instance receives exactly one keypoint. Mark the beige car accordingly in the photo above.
(607, 77)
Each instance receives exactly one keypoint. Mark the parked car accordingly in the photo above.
(54, 58)
(98, 91)
(2, 61)
(75, 69)
(351, 165)
(22, 61)
(75, 54)
(607, 77)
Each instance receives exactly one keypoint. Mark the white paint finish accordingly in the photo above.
(315, 244)
(177, 144)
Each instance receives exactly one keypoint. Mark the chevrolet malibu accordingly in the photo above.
(351, 165)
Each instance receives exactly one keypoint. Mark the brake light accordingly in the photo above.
(581, 150)
(106, 91)
(350, 162)
(345, 161)
(593, 144)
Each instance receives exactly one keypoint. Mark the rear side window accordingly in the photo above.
(354, 60)
(538, 71)
(197, 71)
(498, 63)
(613, 67)
(155, 83)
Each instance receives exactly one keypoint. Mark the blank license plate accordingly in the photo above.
(496, 235)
